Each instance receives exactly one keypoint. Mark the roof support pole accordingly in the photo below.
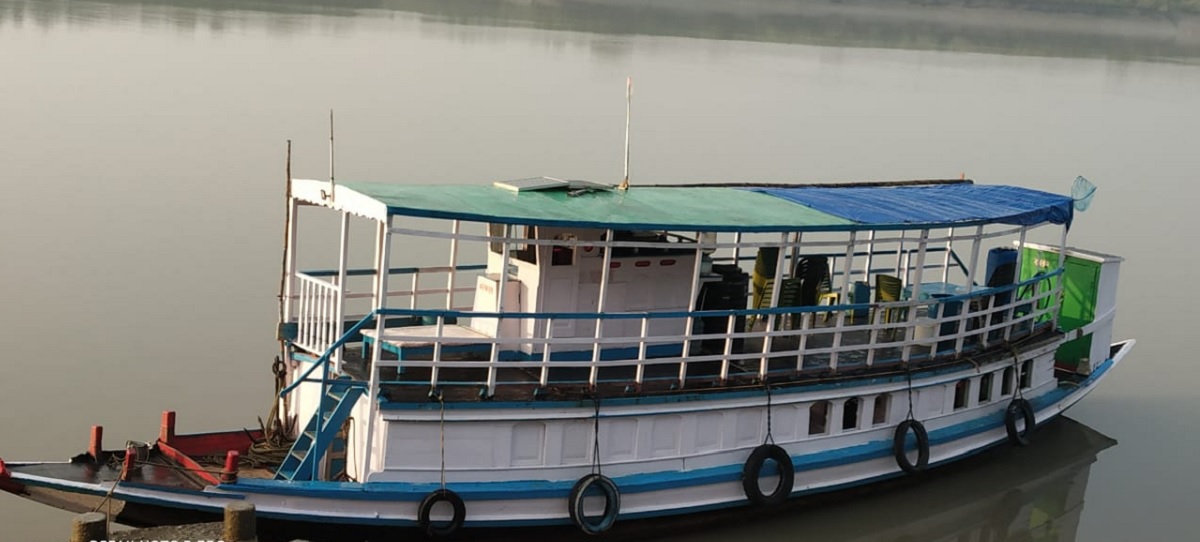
(384, 248)
(601, 305)
(502, 285)
(339, 310)
(870, 255)
(922, 245)
(737, 248)
(976, 243)
(693, 292)
(455, 229)
(771, 318)
(946, 258)
(847, 266)
(1008, 312)
(1060, 286)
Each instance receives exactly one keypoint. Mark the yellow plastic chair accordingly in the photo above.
(887, 290)
(825, 292)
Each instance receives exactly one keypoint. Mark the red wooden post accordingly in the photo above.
(230, 474)
(96, 443)
(166, 432)
(127, 467)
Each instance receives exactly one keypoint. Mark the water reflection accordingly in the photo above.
(814, 22)
(1008, 494)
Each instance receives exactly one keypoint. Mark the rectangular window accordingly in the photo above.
(850, 413)
(1006, 383)
(818, 418)
(985, 387)
(1027, 374)
(960, 394)
(880, 414)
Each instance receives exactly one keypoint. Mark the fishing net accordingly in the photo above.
(1082, 191)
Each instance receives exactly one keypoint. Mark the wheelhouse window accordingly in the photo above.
(525, 252)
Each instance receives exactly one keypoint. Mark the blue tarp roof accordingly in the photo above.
(948, 204)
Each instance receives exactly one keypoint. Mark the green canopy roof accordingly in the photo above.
(750, 208)
(643, 208)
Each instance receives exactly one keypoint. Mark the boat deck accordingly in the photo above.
(785, 364)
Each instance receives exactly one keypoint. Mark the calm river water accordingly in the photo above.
(142, 151)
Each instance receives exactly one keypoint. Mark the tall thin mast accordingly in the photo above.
(628, 105)
(332, 184)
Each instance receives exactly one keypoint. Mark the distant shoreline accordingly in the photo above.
(1155, 30)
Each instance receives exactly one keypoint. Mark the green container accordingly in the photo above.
(1081, 280)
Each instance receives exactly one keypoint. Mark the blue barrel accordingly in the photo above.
(1001, 267)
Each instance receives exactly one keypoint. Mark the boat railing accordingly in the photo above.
(318, 322)
(419, 283)
(794, 340)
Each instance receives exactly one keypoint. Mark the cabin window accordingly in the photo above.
(1027, 374)
(985, 387)
(525, 252)
(1006, 383)
(496, 230)
(563, 254)
(818, 418)
(880, 414)
(960, 394)
(850, 413)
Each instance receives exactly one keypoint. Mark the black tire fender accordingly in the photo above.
(1019, 409)
(898, 446)
(612, 503)
(426, 509)
(752, 470)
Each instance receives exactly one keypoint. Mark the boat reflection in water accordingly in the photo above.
(1007, 494)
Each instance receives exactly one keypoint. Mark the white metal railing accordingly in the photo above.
(317, 321)
(978, 321)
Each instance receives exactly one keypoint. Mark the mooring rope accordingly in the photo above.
(442, 404)
(596, 434)
(908, 377)
(769, 438)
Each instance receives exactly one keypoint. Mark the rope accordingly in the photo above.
(442, 405)
(596, 435)
(908, 377)
(769, 438)
(1016, 370)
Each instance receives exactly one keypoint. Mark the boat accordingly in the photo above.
(574, 355)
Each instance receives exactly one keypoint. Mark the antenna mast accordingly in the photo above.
(332, 184)
(628, 105)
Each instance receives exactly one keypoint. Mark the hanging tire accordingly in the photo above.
(752, 470)
(612, 503)
(898, 446)
(1019, 409)
(426, 509)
